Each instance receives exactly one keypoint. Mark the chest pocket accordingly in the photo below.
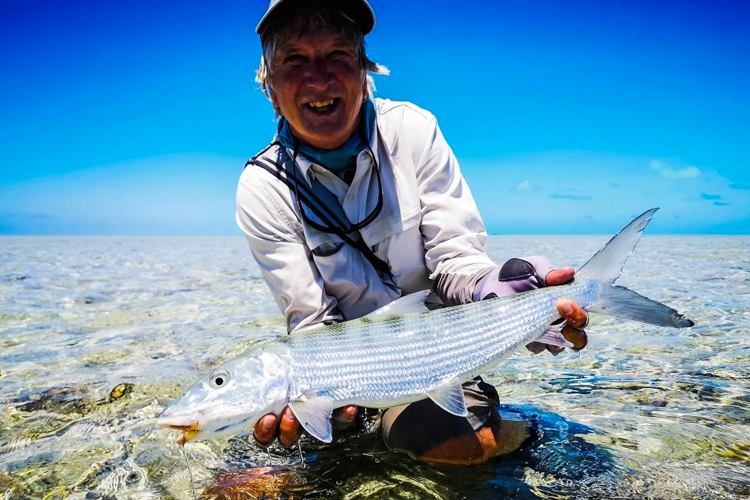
(327, 230)
(401, 206)
(350, 271)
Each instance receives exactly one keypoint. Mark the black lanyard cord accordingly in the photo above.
(348, 228)
(335, 225)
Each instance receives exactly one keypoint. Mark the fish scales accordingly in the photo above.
(397, 361)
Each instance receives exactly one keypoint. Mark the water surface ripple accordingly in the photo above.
(98, 334)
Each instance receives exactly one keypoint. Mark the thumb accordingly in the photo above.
(559, 276)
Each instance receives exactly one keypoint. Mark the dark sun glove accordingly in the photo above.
(515, 276)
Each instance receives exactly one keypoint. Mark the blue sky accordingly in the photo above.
(567, 117)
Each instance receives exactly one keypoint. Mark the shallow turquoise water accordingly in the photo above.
(643, 412)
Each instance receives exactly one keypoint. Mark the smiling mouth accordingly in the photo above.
(323, 107)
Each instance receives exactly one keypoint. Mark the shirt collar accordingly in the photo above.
(305, 164)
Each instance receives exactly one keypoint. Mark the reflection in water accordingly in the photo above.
(98, 334)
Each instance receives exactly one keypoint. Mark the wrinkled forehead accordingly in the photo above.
(320, 41)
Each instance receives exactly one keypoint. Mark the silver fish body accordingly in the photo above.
(388, 358)
(386, 362)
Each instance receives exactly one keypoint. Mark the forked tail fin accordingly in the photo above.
(606, 266)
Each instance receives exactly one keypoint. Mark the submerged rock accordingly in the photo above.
(262, 482)
(62, 400)
(120, 391)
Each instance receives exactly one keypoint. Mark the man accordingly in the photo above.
(357, 202)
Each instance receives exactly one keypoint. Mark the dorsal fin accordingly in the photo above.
(412, 303)
(606, 265)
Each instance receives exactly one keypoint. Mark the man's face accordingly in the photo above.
(319, 85)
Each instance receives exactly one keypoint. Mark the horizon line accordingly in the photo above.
(191, 235)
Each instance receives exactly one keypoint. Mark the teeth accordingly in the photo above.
(320, 104)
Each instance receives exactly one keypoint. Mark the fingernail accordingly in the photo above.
(565, 307)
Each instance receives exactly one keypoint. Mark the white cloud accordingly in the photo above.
(524, 186)
(640, 185)
(665, 170)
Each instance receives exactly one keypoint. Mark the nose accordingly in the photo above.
(318, 73)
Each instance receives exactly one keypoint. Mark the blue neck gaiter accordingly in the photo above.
(344, 157)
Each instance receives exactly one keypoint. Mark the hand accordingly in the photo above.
(529, 273)
(575, 317)
(288, 429)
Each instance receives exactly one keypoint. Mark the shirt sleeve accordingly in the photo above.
(284, 260)
(452, 229)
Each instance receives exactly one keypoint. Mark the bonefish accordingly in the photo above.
(403, 353)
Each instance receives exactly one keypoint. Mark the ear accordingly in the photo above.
(274, 102)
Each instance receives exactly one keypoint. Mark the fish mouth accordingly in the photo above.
(188, 425)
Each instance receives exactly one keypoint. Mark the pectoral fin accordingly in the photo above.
(314, 414)
(554, 336)
(450, 397)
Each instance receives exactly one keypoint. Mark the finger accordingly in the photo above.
(345, 414)
(555, 350)
(536, 347)
(289, 429)
(542, 266)
(572, 313)
(348, 413)
(575, 336)
(559, 276)
(265, 429)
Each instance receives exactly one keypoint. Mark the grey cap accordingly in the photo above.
(359, 10)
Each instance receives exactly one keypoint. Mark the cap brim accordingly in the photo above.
(359, 10)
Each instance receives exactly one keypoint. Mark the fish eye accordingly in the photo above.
(219, 379)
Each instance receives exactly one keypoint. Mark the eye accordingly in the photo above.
(338, 54)
(295, 59)
(219, 379)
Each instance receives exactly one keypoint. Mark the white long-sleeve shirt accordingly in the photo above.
(429, 225)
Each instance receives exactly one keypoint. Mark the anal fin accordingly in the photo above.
(450, 397)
